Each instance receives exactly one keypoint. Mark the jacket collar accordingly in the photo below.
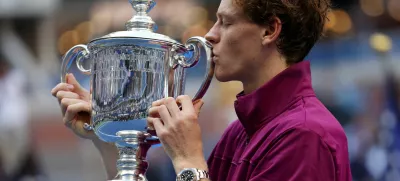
(273, 98)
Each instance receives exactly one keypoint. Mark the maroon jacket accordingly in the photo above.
(284, 133)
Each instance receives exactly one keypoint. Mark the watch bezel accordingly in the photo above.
(193, 170)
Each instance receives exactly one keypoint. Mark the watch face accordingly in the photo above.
(187, 175)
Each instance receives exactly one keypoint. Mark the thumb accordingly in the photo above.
(77, 87)
(197, 106)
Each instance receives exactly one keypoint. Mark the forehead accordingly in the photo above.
(228, 7)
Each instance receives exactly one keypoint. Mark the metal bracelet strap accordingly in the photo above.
(203, 174)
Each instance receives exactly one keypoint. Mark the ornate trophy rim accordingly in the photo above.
(140, 35)
(141, 26)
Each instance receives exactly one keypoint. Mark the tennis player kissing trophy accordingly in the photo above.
(129, 70)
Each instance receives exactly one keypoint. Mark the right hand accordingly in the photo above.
(75, 103)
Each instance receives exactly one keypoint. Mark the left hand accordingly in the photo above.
(179, 131)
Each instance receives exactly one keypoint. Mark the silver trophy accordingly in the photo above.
(129, 70)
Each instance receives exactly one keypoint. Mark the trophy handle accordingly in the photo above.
(79, 53)
(195, 45)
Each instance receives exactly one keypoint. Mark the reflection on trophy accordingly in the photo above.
(129, 70)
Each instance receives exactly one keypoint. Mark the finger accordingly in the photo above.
(164, 114)
(77, 87)
(186, 102)
(197, 106)
(158, 103)
(150, 122)
(153, 112)
(78, 125)
(172, 106)
(74, 109)
(67, 94)
(61, 87)
(66, 102)
(158, 125)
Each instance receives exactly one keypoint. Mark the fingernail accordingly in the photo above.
(69, 86)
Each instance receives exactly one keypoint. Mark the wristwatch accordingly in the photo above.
(192, 174)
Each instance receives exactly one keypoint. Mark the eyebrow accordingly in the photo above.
(225, 14)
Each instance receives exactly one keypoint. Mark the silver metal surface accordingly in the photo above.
(129, 70)
(133, 147)
(141, 20)
(200, 43)
(141, 25)
(78, 53)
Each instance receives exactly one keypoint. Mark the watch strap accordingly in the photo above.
(203, 174)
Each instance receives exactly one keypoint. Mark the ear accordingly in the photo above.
(272, 31)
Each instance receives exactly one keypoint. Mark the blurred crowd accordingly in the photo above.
(355, 73)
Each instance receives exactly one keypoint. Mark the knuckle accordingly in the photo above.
(64, 102)
(69, 109)
(87, 105)
(60, 94)
(152, 109)
(170, 100)
(180, 118)
(163, 134)
(185, 97)
(155, 103)
(163, 107)
(178, 124)
(192, 117)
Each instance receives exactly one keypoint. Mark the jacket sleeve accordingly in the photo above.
(296, 155)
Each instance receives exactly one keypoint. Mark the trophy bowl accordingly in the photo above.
(128, 71)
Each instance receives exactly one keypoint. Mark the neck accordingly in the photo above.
(266, 72)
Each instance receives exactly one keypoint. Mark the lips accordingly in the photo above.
(214, 57)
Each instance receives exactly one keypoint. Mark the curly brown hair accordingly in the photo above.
(302, 22)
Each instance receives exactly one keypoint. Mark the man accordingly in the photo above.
(283, 132)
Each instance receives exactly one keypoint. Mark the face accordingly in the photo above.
(237, 43)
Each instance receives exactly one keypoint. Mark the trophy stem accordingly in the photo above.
(132, 164)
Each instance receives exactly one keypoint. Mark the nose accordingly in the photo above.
(213, 35)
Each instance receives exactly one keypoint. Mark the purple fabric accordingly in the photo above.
(284, 133)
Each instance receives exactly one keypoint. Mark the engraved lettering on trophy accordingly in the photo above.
(132, 72)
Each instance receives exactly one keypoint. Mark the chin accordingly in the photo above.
(223, 77)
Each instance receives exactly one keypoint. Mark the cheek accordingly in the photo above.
(242, 43)
(239, 49)
(233, 49)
